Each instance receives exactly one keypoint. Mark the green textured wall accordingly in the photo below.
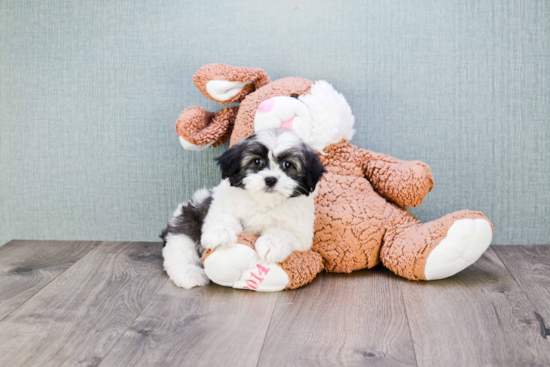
(90, 92)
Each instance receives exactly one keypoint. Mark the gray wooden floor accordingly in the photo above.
(110, 304)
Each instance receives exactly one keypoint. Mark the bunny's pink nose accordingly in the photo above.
(266, 106)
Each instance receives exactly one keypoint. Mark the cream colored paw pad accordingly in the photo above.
(466, 241)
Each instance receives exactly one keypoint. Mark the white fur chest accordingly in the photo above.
(258, 214)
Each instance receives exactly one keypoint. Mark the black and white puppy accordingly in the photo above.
(268, 186)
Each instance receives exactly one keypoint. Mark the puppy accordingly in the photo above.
(268, 186)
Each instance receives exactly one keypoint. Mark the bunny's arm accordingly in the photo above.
(405, 183)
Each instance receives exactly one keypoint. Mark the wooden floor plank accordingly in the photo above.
(79, 316)
(352, 319)
(479, 317)
(27, 266)
(205, 326)
(530, 267)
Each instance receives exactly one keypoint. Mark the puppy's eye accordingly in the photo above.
(257, 161)
(287, 164)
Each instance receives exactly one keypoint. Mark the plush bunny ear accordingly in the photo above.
(228, 84)
(199, 129)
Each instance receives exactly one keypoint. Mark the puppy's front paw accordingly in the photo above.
(271, 249)
(218, 236)
(188, 276)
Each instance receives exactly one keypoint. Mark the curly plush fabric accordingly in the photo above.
(247, 239)
(256, 78)
(402, 182)
(201, 127)
(351, 217)
(290, 87)
(302, 268)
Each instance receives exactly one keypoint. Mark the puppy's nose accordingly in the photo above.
(270, 181)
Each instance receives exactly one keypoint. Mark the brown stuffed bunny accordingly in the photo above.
(362, 201)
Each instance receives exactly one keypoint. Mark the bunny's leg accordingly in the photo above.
(239, 266)
(437, 249)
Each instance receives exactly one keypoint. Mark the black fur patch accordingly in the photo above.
(189, 222)
(310, 174)
(231, 162)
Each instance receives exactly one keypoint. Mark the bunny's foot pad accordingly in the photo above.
(239, 266)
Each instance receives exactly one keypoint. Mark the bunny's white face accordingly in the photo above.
(286, 113)
(320, 118)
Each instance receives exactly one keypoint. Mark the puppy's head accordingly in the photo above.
(272, 162)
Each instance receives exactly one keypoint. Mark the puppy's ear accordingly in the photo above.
(314, 169)
(230, 161)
